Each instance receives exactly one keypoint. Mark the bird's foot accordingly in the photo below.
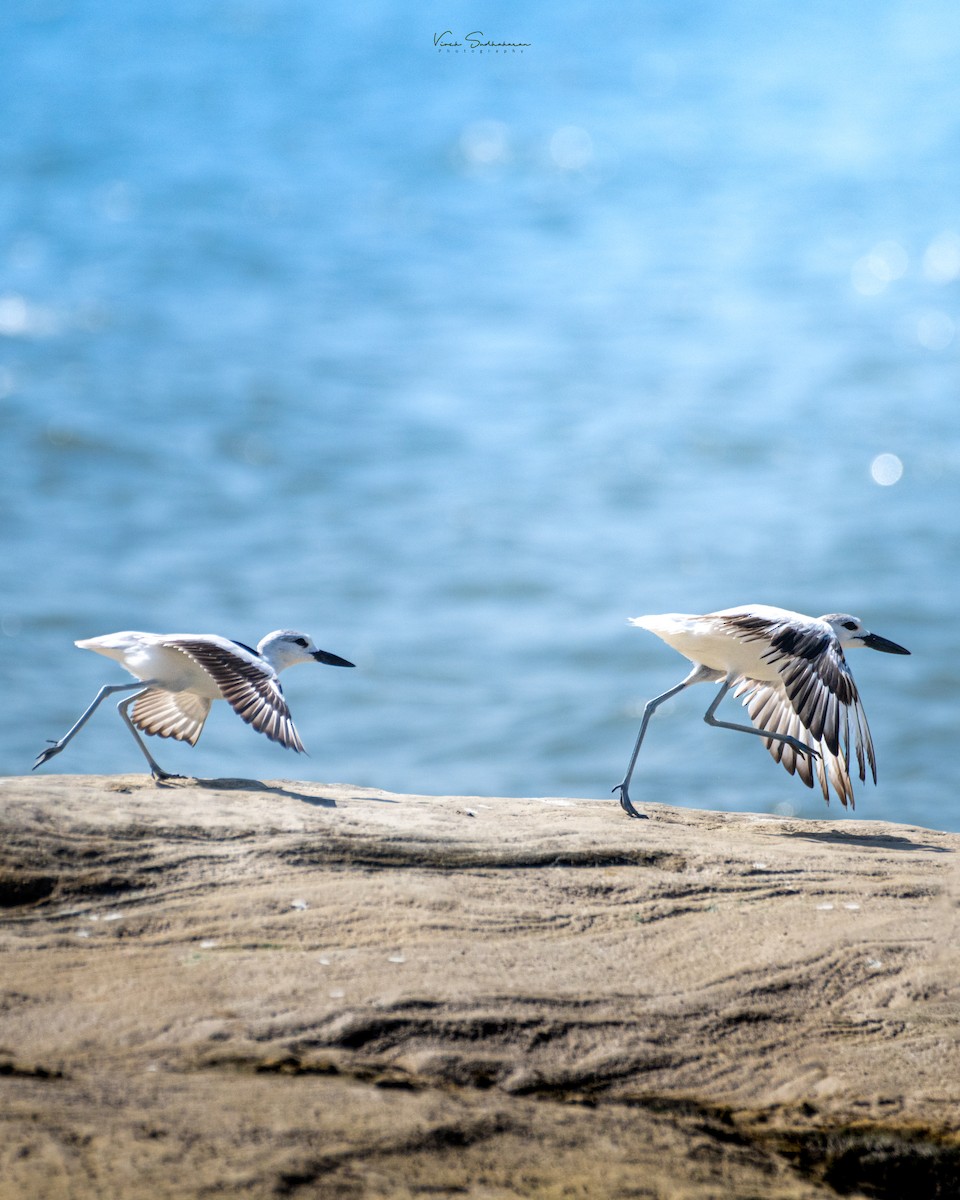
(161, 776)
(626, 804)
(803, 748)
(45, 755)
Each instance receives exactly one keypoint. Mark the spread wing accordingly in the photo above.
(812, 700)
(177, 715)
(770, 709)
(249, 685)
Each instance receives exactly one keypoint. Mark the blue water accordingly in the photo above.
(457, 360)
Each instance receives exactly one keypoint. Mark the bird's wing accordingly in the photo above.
(177, 715)
(816, 679)
(812, 701)
(771, 710)
(249, 686)
(820, 687)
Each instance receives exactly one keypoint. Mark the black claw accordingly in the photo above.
(44, 755)
(626, 804)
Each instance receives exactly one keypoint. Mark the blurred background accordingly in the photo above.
(456, 360)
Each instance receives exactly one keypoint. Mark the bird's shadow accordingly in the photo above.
(870, 841)
(256, 785)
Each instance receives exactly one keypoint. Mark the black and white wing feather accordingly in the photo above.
(249, 685)
(813, 700)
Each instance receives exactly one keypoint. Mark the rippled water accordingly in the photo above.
(456, 361)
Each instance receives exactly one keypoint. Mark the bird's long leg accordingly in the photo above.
(108, 689)
(789, 739)
(155, 769)
(699, 674)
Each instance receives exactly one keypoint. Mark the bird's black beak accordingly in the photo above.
(334, 660)
(876, 642)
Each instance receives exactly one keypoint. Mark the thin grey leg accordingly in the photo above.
(108, 689)
(157, 771)
(788, 738)
(698, 675)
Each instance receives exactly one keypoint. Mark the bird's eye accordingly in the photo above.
(300, 642)
(850, 625)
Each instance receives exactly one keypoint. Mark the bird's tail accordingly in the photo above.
(663, 624)
(111, 645)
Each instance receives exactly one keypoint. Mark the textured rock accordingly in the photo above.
(240, 989)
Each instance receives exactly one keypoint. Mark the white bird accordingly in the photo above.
(179, 675)
(794, 680)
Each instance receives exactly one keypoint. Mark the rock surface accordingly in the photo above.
(238, 989)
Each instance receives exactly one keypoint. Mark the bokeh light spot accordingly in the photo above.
(886, 469)
(872, 273)
(941, 259)
(571, 148)
(485, 143)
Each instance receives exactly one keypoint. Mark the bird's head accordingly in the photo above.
(850, 632)
(285, 647)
